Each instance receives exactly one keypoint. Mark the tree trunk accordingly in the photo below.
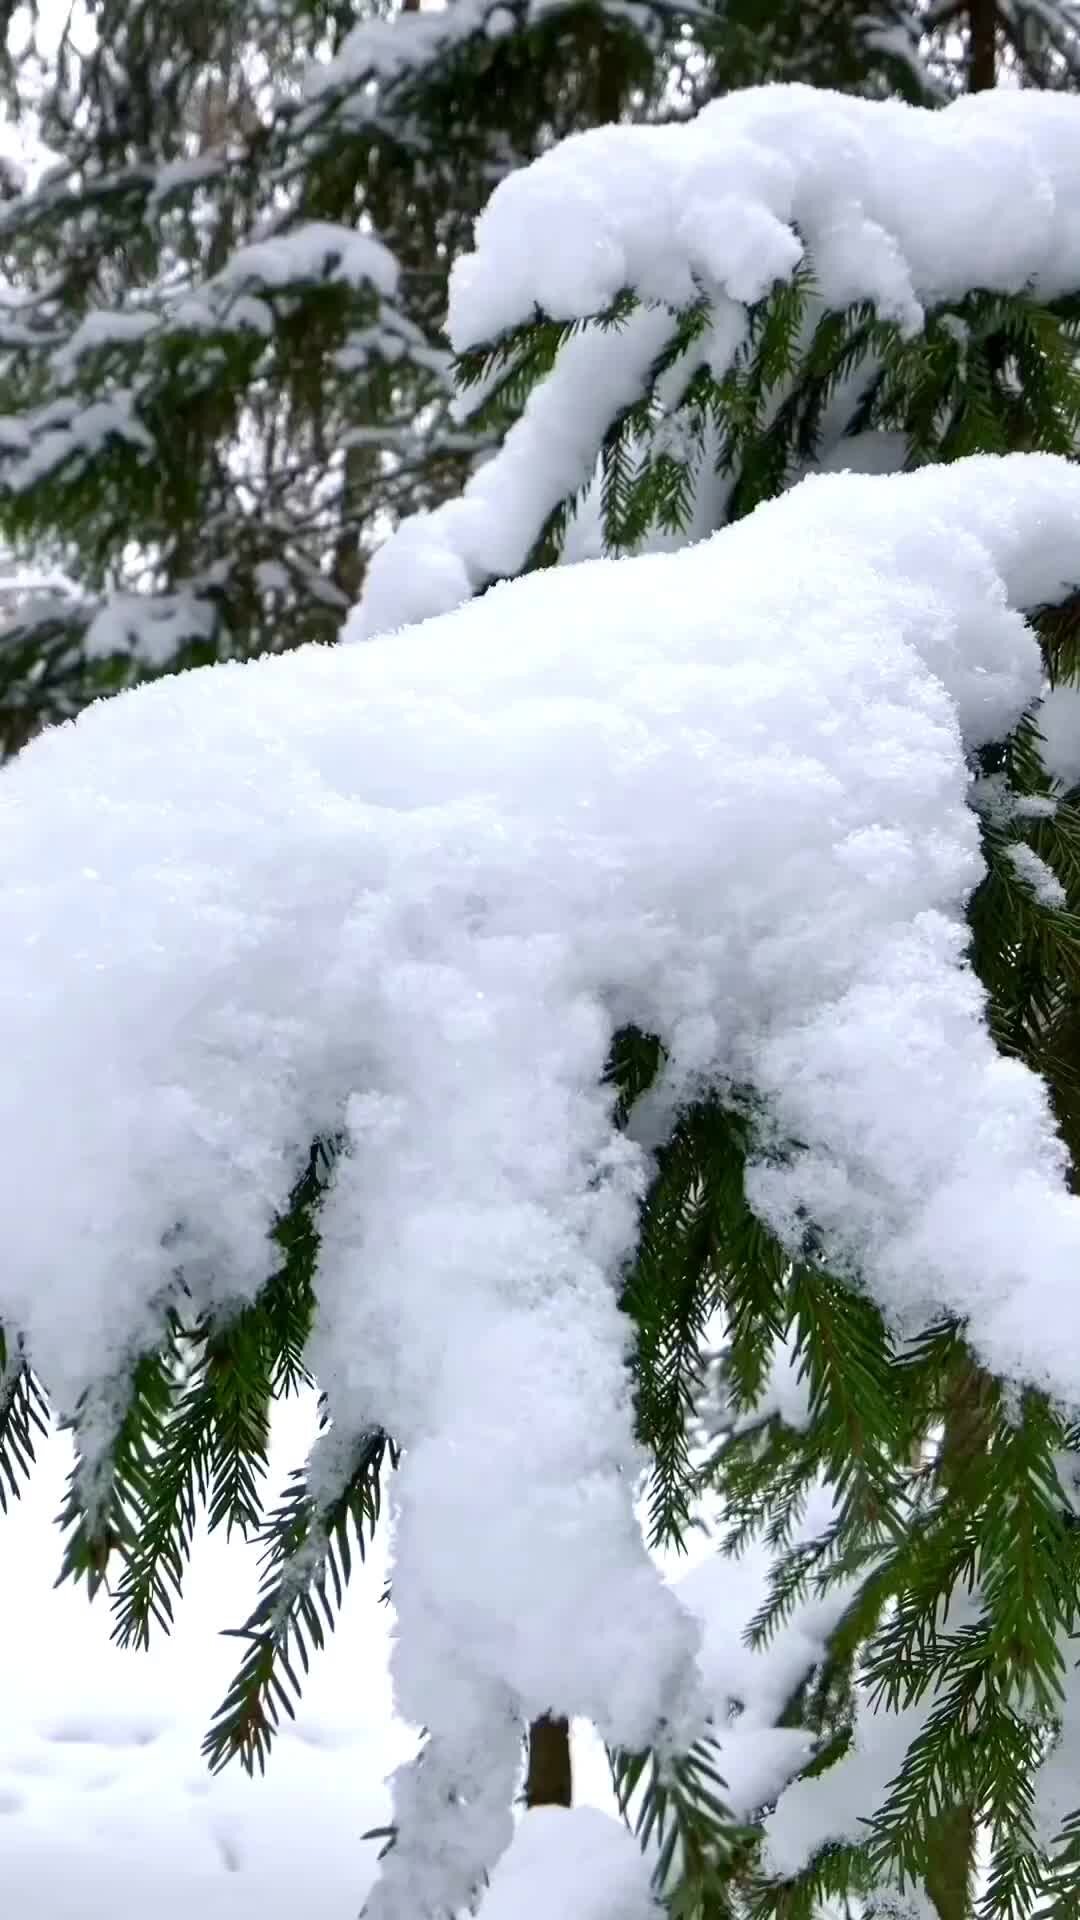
(549, 1781)
(951, 1835)
(982, 45)
(948, 1881)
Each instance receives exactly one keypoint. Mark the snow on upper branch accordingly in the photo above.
(377, 52)
(316, 250)
(899, 205)
(35, 444)
(386, 48)
(70, 426)
(890, 204)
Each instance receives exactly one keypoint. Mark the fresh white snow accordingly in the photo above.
(106, 1805)
(760, 183)
(734, 198)
(1058, 721)
(578, 1864)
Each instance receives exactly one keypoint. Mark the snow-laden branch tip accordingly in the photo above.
(732, 199)
(409, 891)
(724, 206)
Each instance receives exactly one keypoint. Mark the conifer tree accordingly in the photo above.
(223, 371)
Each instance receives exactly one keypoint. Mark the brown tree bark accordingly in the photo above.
(982, 45)
(948, 1881)
(549, 1781)
(952, 1834)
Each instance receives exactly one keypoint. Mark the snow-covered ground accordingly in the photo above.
(107, 1811)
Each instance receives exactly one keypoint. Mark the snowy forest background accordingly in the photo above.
(697, 933)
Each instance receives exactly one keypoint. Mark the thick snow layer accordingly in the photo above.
(578, 1864)
(725, 205)
(410, 890)
(836, 1804)
(731, 201)
(107, 1811)
(749, 1688)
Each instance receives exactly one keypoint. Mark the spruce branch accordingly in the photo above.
(306, 1565)
(676, 1808)
(194, 1431)
(24, 1419)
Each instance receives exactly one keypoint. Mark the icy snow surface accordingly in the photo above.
(725, 205)
(410, 890)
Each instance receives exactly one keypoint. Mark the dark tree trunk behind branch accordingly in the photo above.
(982, 45)
(951, 1863)
(549, 1781)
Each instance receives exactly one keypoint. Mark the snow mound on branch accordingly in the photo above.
(407, 893)
(750, 1687)
(837, 1804)
(724, 206)
(730, 201)
(576, 1864)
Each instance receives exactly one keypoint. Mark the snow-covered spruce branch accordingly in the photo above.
(382, 58)
(187, 1430)
(706, 310)
(409, 892)
(23, 1420)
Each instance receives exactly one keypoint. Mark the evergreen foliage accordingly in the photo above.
(221, 363)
